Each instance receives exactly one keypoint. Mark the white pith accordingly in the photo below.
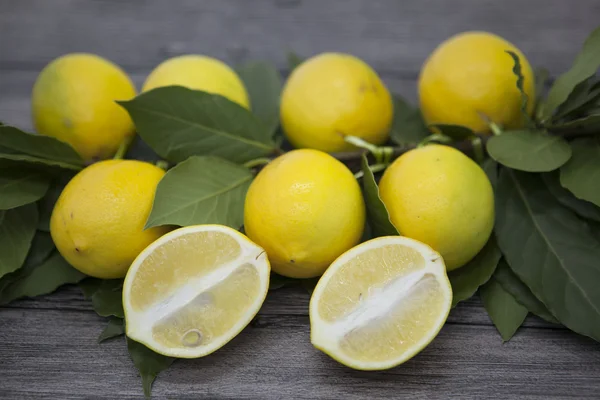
(139, 324)
(327, 335)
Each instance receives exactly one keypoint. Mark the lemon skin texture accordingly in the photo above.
(305, 208)
(439, 196)
(199, 73)
(98, 221)
(469, 78)
(74, 100)
(333, 95)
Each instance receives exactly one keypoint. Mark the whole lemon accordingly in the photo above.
(439, 196)
(199, 73)
(305, 208)
(333, 95)
(98, 221)
(74, 100)
(469, 78)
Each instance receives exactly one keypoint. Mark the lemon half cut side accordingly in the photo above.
(380, 303)
(194, 289)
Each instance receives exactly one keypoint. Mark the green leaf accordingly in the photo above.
(541, 78)
(44, 147)
(42, 279)
(408, 126)
(550, 249)
(456, 132)
(107, 299)
(293, 60)
(278, 281)
(520, 82)
(20, 187)
(10, 160)
(41, 248)
(378, 217)
(583, 208)
(586, 125)
(201, 190)
(504, 311)
(114, 328)
(585, 65)
(17, 229)
(511, 283)
(531, 151)
(467, 279)
(89, 286)
(178, 123)
(264, 85)
(148, 363)
(584, 93)
(582, 173)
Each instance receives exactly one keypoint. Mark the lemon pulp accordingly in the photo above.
(380, 303)
(194, 289)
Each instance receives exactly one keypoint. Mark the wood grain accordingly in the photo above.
(53, 353)
(394, 36)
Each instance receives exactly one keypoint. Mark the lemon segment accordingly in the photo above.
(380, 303)
(194, 289)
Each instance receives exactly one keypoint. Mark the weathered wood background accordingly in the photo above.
(48, 345)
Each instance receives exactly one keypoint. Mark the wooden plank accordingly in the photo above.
(53, 354)
(394, 36)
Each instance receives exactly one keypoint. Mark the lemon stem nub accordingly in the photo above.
(162, 164)
(123, 147)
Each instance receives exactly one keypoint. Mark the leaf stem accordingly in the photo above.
(382, 154)
(496, 130)
(123, 147)
(478, 150)
(374, 168)
(257, 162)
(437, 138)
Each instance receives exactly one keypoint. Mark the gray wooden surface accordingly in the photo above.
(48, 345)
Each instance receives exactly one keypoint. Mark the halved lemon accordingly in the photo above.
(380, 303)
(194, 289)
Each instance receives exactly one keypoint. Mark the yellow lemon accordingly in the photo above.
(469, 78)
(194, 289)
(98, 221)
(380, 303)
(305, 208)
(439, 196)
(199, 73)
(74, 100)
(333, 95)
